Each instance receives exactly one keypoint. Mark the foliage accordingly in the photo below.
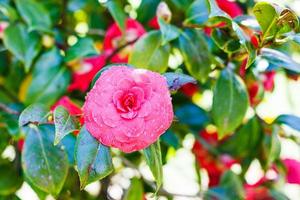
(199, 46)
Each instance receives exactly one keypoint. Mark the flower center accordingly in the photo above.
(128, 101)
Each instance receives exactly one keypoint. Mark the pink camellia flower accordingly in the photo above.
(293, 171)
(128, 108)
(114, 39)
(87, 69)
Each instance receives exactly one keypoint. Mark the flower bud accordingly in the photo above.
(163, 12)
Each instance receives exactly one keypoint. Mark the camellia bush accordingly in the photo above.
(90, 90)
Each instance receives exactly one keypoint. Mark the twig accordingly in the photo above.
(120, 48)
(7, 109)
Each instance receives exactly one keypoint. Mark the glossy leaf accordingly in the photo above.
(221, 38)
(117, 13)
(195, 54)
(135, 191)
(35, 15)
(64, 123)
(51, 78)
(193, 116)
(10, 179)
(68, 144)
(23, 44)
(45, 165)
(280, 59)
(169, 32)
(149, 54)
(197, 13)
(177, 80)
(171, 139)
(35, 113)
(82, 49)
(289, 120)
(230, 102)
(8, 11)
(93, 159)
(233, 184)
(242, 143)
(154, 161)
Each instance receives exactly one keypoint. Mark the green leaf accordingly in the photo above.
(197, 13)
(135, 191)
(117, 13)
(169, 32)
(195, 54)
(193, 116)
(242, 143)
(68, 144)
(93, 159)
(289, 120)
(149, 54)
(35, 15)
(82, 49)
(274, 20)
(64, 123)
(171, 139)
(267, 17)
(12, 125)
(50, 80)
(278, 195)
(233, 184)
(8, 11)
(177, 80)
(154, 161)
(225, 41)
(271, 148)
(280, 59)
(4, 139)
(10, 179)
(23, 44)
(45, 165)
(35, 113)
(230, 102)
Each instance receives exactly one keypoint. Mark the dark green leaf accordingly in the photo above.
(35, 113)
(35, 15)
(93, 159)
(277, 195)
(64, 123)
(83, 48)
(280, 59)
(289, 120)
(225, 41)
(24, 45)
(195, 54)
(153, 159)
(12, 124)
(177, 80)
(149, 54)
(230, 102)
(193, 116)
(135, 191)
(271, 148)
(117, 13)
(171, 139)
(4, 139)
(10, 179)
(49, 81)
(147, 10)
(242, 143)
(232, 183)
(169, 32)
(45, 165)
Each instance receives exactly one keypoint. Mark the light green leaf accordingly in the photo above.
(154, 161)
(149, 54)
(135, 191)
(230, 102)
(45, 165)
(169, 32)
(93, 159)
(35, 113)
